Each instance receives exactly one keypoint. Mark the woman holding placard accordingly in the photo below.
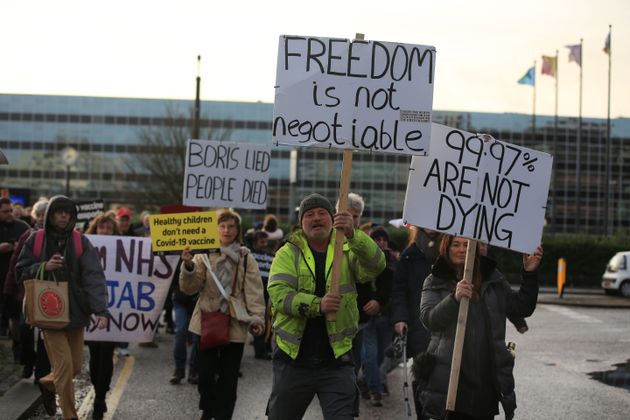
(486, 376)
(230, 289)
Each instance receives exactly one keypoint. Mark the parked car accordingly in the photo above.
(616, 278)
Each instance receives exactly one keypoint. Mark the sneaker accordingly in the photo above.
(122, 352)
(385, 391)
(375, 399)
(48, 400)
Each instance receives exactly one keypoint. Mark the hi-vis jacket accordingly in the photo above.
(292, 286)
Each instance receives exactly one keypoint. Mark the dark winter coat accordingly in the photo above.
(485, 360)
(87, 291)
(9, 232)
(409, 277)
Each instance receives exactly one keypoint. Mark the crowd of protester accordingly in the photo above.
(392, 302)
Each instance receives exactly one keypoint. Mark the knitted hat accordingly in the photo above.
(314, 201)
(379, 232)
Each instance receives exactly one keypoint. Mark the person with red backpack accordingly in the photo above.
(70, 256)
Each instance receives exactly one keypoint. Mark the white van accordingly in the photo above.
(616, 279)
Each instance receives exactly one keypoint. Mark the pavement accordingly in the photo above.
(22, 397)
(585, 297)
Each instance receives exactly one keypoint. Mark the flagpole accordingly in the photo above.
(555, 133)
(197, 114)
(578, 196)
(607, 186)
(534, 106)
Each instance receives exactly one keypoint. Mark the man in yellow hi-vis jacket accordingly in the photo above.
(313, 356)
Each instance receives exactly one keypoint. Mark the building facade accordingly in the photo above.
(107, 134)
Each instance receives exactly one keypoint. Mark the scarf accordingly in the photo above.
(224, 269)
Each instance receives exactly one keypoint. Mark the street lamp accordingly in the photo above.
(69, 156)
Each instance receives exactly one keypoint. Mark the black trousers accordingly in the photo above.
(218, 380)
(31, 357)
(101, 366)
(294, 387)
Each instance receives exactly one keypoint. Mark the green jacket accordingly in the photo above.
(291, 288)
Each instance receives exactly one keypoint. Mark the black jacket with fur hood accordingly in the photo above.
(86, 281)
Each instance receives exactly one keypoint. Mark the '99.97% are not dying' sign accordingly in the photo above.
(174, 232)
(479, 188)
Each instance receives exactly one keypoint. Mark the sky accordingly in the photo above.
(149, 48)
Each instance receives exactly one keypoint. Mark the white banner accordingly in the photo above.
(479, 188)
(362, 95)
(137, 285)
(226, 174)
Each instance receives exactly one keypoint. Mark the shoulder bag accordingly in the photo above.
(46, 304)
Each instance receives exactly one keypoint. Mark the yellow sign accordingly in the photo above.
(174, 232)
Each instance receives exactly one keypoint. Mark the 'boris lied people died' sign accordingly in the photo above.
(137, 285)
(479, 188)
(360, 95)
(226, 174)
(176, 231)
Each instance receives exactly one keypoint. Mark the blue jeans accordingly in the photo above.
(180, 353)
(377, 335)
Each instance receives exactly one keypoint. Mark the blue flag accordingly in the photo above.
(529, 78)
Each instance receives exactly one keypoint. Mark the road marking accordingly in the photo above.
(570, 313)
(114, 398)
(86, 406)
(88, 401)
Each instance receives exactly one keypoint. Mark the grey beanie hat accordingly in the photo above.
(314, 201)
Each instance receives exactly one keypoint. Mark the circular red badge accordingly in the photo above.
(51, 303)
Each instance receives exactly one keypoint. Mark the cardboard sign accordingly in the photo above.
(176, 231)
(88, 210)
(222, 174)
(479, 188)
(360, 95)
(137, 285)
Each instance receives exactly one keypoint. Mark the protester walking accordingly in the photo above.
(29, 356)
(264, 258)
(11, 229)
(184, 306)
(412, 269)
(486, 374)
(87, 293)
(101, 352)
(313, 355)
(228, 278)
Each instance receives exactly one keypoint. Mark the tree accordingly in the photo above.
(159, 164)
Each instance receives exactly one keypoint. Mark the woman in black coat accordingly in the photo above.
(486, 376)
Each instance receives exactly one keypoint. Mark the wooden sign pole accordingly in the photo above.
(460, 332)
(344, 189)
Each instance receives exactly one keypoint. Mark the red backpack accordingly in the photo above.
(39, 243)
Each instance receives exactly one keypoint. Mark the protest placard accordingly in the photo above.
(360, 95)
(137, 285)
(222, 174)
(480, 188)
(88, 210)
(176, 231)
